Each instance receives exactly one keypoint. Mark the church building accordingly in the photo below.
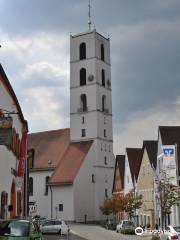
(71, 170)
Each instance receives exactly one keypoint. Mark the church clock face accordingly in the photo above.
(91, 77)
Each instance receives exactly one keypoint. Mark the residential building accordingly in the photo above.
(12, 127)
(118, 183)
(145, 184)
(168, 169)
(133, 159)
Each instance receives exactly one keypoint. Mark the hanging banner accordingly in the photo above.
(6, 131)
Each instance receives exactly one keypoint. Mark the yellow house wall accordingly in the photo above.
(145, 188)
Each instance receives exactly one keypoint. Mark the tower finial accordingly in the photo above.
(89, 15)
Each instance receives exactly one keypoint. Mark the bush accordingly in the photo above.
(155, 238)
(127, 231)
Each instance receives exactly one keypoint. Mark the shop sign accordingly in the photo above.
(6, 130)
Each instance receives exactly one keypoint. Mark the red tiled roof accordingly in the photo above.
(151, 147)
(70, 163)
(134, 158)
(48, 146)
(120, 165)
(65, 157)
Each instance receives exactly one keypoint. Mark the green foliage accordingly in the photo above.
(106, 208)
(155, 238)
(169, 196)
(132, 202)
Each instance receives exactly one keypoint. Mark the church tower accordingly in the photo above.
(91, 106)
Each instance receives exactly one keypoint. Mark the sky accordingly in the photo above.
(145, 61)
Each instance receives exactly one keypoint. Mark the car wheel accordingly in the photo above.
(60, 232)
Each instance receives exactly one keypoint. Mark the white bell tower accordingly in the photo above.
(91, 105)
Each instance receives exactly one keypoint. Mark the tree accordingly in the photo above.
(132, 202)
(106, 208)
(169, 195)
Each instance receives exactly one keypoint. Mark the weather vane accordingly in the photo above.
(89, 14)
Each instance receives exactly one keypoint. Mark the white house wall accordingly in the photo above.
(7, 158)
(41, 200)
(63, 195)
(128, 183)
(93, 194)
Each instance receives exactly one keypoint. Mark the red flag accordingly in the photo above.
(22, 155)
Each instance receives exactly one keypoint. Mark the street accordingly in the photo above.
(93, 232)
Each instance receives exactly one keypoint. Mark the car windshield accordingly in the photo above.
(177, 229)
(14, 228)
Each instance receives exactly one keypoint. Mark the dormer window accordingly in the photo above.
(82, 51)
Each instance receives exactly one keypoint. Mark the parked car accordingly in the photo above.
(125, 225)
(54, 226)
(19, 229)
(171, 233)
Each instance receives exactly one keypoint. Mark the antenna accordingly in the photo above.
(89, 15)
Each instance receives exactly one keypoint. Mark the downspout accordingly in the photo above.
(51, 201)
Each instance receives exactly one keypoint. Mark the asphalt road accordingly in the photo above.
(93, 232)
(58, 237)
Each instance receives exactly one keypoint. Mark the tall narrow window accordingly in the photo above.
(83, 132)
(46, 185)
(82, 51)
(103, 103)
(93, 178)
(106, 193)
(82, 76)
(83, 103)
(83, 120)
(105, 133)
(103, 77)
(102, 52)
(105, 160)
(30, 186)
(30, 158)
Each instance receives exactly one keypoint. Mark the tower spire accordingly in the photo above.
(89, 15)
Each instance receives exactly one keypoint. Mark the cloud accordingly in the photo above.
(43, 110)
(39, 74)
(144, 125)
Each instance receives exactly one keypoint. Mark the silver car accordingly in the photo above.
(171, 233)
(54, 226)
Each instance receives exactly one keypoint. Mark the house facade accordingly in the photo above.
(145, 184)
(12, 128)
(168, 170)
(76, 165)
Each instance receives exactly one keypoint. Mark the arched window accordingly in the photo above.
(103, 103)
(83, 103)
(30, 186)
(46, 185)
(82, 76)
(102, 52)
(82, 51)
(103, 77)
